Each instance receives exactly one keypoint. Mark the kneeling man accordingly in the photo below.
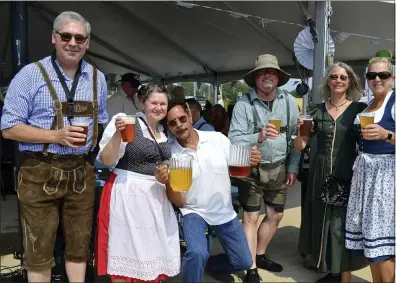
(208, 202)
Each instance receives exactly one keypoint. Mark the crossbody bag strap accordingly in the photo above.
(155, 141)
(200, 126)
(255, 115)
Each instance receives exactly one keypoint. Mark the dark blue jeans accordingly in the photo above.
(232, 238)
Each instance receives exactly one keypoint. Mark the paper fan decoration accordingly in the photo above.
(304, 48)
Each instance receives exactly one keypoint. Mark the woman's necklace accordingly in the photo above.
(156, 133)
(337, 106)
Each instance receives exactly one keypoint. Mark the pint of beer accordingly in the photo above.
(82, 122)
(180, 177)
(276, 123)
(305, 129)
(239, 160)
(128, 134)
(366, 118)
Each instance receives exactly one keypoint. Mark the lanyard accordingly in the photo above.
(69, 93)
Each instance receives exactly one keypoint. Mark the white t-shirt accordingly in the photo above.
(210, 193)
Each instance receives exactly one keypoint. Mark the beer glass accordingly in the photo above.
(82, 122)
(128, 134)
(276, 121)
(366, 118)
(305, 129)
(239, 160)
(180, 177)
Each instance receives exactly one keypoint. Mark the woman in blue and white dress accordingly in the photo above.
(370, 224)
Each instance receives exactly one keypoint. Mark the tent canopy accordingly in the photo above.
(172, 42)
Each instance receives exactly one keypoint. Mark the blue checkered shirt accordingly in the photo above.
(28, 101)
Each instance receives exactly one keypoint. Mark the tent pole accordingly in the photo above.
(320, 49)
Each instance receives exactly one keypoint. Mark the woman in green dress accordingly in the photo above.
(322, 233)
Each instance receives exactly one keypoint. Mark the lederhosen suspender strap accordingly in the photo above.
(95, 106)
(58, 119)
(286, 129)
(79, 108)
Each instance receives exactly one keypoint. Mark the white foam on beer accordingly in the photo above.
(129, 120)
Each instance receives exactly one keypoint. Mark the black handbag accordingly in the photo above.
(335, 191)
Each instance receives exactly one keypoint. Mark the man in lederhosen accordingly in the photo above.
(42, 103)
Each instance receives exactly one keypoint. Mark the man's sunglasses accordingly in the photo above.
(65, 36)
(382, 75)
(173, 123)
(342, 78)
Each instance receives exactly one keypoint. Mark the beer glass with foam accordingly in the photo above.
(239, 160)
(82, 122)
(128, 134)
(180, 176)
(366, 118)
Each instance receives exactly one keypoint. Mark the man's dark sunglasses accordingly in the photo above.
(382, 75)
(173, 123)
(65, 36)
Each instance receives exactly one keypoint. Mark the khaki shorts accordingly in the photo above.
(267, 182)
(47, 184)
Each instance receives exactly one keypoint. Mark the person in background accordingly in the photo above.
(198, 121)
(207, 110)
(220, 100)
(208, 202)
(370, 220)
(322, 233)
(219, 119)
(56, 176)
(178, 93)
(125, 99)
(138, 237)
(230, 108)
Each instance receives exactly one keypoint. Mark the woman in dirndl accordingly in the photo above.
(370, 225)
(138, 239)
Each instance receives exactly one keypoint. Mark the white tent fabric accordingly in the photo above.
(175, 43)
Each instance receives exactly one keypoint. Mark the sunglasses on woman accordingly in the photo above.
(173, 123)
(382, 75)
(66, 37)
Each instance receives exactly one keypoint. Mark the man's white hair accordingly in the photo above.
(70, 16)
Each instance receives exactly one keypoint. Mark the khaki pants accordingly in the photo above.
(45, 185)
(267, 182)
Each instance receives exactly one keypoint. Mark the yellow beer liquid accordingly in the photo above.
(276, 123)
(180, 179)
(366, 120)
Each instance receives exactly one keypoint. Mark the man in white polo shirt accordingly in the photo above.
(125, 100)
(208, 202)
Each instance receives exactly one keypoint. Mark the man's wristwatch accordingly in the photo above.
(389, 137)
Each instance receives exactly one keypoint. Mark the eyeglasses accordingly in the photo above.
(342, 77)
(382, 75)
(173, 123)
(65, 36)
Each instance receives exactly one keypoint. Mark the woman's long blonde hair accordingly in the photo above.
(354, 91)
